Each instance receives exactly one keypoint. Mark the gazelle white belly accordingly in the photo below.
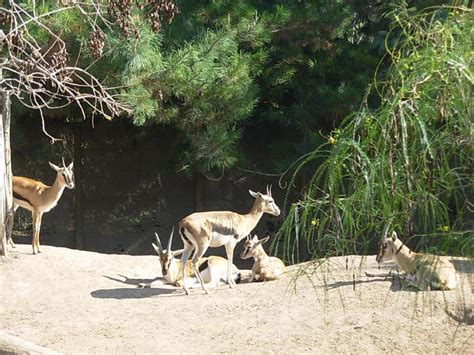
(218, 239)
(49, 207)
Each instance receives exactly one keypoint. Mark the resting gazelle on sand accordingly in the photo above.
(423, 271)
(265, 268)
(213, 269)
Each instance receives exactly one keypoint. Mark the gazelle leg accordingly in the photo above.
(199, 277)
(188, 248)
(199, 252)
(156, 281)
(229, 249)
(38, 228)
(10, 241)
(33, 240)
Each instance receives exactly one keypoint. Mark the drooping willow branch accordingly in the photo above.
(405, 165)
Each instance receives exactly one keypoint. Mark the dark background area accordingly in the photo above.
(128, 186)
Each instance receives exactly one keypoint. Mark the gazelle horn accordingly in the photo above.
(158, 242)
(171, 239)
(64, 164)
(269, 190)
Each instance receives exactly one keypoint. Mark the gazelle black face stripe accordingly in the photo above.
(68, 177)
(398, 251)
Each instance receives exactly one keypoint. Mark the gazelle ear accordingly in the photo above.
(55, 167)
(394, 236)
(178, 252)
(264, 240)
(254, 194)
(157, 250)
(70, 166)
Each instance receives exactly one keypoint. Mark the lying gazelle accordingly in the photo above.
(423, 271)
(213, 268)
(40, 198)
(202, 230)
(265, 268)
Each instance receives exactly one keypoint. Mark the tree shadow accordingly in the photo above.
(134, 293)
(463, 314)
(395, 283)
(353, 283)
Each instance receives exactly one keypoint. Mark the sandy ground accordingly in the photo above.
(81, 302)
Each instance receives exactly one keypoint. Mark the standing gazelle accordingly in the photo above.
(202, 230)
(40, 198)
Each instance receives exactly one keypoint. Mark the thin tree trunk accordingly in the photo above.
(8, 163)
(79, 190)
(6, 197)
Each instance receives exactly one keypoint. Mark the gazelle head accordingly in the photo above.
(267, 203)
(251, 244)
(65, 174)
(166, 255)
(388, 248)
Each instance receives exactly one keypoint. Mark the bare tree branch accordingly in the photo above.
(40, 77)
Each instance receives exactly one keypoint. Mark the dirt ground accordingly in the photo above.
(77, 302)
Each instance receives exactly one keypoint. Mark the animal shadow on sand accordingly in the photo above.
(129, 281)
(133, 293)
(394, 278)
(353, 283)
(384, 269)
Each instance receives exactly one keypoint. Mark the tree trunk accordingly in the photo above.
(6, 195)
(79, 190)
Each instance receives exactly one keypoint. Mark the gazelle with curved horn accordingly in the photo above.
(214, 268)
(40, 198)
(202, 230)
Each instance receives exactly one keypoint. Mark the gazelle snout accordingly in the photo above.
(68, 176)
(165, 261)
(276, 211)
(271, 207)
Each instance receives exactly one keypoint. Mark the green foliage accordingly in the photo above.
(406, 166)
(240, 67)
(233, 63)
(203, 88)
